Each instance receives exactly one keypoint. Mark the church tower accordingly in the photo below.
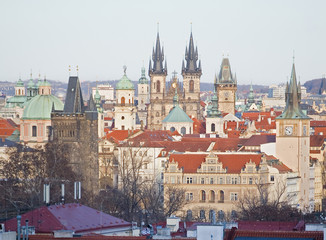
(191, 72)
(157, 73)
(226, 87)
(143, 97)
(293, 140)
(124, 111)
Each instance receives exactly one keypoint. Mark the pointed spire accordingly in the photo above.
(191, 57)
(183, 66)
(53, 107)
(158, 57)
(293, 98)
(225, 75)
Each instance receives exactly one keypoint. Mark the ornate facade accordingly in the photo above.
(161, 97)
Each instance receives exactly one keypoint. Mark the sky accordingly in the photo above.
(101, 36)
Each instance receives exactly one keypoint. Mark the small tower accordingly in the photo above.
(20, 88)
(293, 140)
(191, 72)
(31, 89)
(157, 73)
(125, 111)
(226, 88)
(143, 97)
(214, 122)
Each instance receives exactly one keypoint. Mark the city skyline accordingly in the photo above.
(102, 36)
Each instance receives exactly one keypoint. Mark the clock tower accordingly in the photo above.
(293, 140)
(226, 88)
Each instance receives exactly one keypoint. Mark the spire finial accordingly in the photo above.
(125, 69)
(69, 69)
(77, 69)
(191, 27)
(31, 74)
(158, 27)
(293, 57)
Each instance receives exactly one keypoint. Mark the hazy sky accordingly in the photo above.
(100, 36)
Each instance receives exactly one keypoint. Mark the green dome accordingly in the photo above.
(45, 84)
(97, 95)
(30, 84)
(40, 107)
(20, 83)
(177, 115)
(124, 84)
(16, 101)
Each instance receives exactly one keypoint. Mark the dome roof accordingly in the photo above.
(40, 107)
(20, 83)
(16, 101)
(124, 84)
(30, 84)
(45, 83)
(177, 115)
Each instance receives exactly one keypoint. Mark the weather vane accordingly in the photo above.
(125, 69)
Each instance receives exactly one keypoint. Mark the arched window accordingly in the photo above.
(123, 101)
(18, 91)
(203, 196)
(213, 127)
(221, 196)
(129, 101)
(212, 196)
(191, 86)
(34, 131)
(183, 130)
(172, 129)
(157, 114)
(158, 86)
(211, 215)
(220, 215)
(202, 214)
(189, 215)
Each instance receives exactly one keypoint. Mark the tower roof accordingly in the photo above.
(177, 115)
(158, 58)
(292, 98)
(225, 75)
(191, 57)
(74, 99)
(20, 83)
(125, 83)
(143, 79)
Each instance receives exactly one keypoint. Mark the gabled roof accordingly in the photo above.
(228, 144)
(257, 140)
(317, 140)
(120, 135)
(177, 115)
(74, 99)
(75, 217)
(232, 162)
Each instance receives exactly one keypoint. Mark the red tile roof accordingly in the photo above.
(233, 162)
(266, 226)
(228, 144)
(120, 135)
(185, 146)
(257, 140)
(76, 217)
(317, 123)
(317, 140)
(7, 128)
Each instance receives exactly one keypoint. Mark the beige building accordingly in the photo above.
(161, 97)
(216, 181)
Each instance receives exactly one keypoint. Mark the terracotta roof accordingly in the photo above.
(233, 162)
(317, 140)
(120, 135)
(185, 146)
(7, 128)
(234, 234)
(266, 226)
(317, 123)
(257, 140)
(76, 217)
(228, 144)
(202, 103)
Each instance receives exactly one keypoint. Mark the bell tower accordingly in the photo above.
(226, 87)
(191, 72)
(293, 140)
(157, 73)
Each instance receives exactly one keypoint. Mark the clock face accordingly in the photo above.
(289, 130)
(226, 94)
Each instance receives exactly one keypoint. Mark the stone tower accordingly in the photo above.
(293, 140)
(143, 97)
(124, 110)
(191, 72)
(157, 73)
(226, 87)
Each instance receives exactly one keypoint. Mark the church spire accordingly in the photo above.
(191, 57)
(158, 58)
(293, 98)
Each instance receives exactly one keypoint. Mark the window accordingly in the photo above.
(189, 180)
(234, 180)
(250, 180)
(183, 130)
(202, 214)
(172, 129)
(172, 180)
(123, 101)
(221, 196)
(34, 131)
(211, 215)
(158, 86)
(202, 181)
(163, 164)
(157, 114)
(189, 196)
(244, 180)
(203, 196)
(234, 197)
(221, 180)
(212, 196)
(272, 178)
(145, 165)
(191, 86)
(211, 181)
(213, 127)
(162, 176)
(189, 215)
(123, 117)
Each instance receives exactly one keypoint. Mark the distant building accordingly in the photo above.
(276, 91)
(106, 92)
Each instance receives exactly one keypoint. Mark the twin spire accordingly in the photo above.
(191, 57)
